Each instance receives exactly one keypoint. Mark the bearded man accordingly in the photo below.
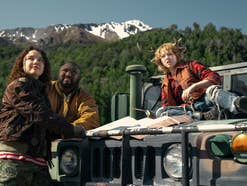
(72, 102)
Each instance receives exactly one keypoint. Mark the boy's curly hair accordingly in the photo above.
(168, 47)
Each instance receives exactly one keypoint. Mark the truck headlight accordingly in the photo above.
(69, 162)
(172, 161)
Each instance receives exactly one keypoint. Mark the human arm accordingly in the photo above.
(25, 97)
(87, 115)
(201, 85)
(206, 78)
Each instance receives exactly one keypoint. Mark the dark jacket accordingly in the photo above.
(26, 117)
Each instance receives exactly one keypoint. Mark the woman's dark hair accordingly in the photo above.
(17, 70)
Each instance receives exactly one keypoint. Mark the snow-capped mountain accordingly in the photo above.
(61, 33)
(123, 30)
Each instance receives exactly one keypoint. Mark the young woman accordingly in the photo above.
(27, 123)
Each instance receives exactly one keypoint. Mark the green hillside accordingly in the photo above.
(103, 65)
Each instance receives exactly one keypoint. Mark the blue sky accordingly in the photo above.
(156, 13)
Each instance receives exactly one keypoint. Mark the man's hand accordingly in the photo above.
(187, 93)
(201, 85)
(79, 131)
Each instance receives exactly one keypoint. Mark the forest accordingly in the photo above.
(103, 64)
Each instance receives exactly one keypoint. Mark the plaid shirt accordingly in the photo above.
(200, 71)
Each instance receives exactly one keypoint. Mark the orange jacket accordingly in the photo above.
(79, 108)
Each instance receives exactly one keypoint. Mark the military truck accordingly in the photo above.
(212, 152)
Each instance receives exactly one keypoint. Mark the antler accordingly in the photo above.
(140, 48)
(177, 41)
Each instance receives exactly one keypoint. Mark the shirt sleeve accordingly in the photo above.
(31, 104)
(204, 73)
(88, 115)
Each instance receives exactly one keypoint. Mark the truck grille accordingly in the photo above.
(140, 163)
(106, 162)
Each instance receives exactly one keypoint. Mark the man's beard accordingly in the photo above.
(69, 85)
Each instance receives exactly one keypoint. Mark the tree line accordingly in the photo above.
(103, 64)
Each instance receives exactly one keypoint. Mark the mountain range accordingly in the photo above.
(58, 34)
